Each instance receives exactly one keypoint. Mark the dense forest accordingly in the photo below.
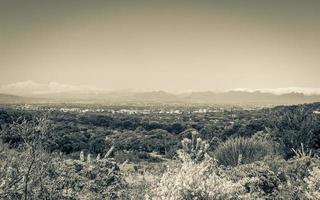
(159, 152)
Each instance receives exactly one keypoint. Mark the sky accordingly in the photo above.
(172, 45)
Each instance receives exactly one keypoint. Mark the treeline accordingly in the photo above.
(287, 126)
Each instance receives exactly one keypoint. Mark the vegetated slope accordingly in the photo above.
(12, 99)
(16, 99)
(161, 132)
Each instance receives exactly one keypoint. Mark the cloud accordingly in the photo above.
(33, 88)
(280, 91)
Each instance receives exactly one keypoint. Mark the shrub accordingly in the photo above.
(30, 172)
(313, 184)
(258, 179)
(95, 179)
(194, 180)
(54, 177)
(293, 173)
(297, 171)
(241, 150)
(294, 125)
(197, 176)
(98, 145)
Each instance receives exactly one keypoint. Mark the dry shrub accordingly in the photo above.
(196, 180)
(313, 184)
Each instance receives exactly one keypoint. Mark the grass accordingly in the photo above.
(242, 150)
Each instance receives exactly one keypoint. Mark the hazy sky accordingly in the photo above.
(161, 45)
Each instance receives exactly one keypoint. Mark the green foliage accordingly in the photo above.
(95, 179)
(98, 145)
(30, 172)
(241, 150)
(295, 125)
(245, 166)
(257, 178)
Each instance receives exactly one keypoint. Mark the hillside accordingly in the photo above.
(13, 99)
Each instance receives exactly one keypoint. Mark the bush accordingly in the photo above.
(197, 176)
(298, 170)
(258, 179)
(96, 179)
(293, 174)
(313, 184)
(30, 172)
(193, 180)
(294, 125)
(242, 151)
(98, 145)
(54, 177)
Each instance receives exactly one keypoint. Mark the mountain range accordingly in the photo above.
(230, 97)
(54, 92)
